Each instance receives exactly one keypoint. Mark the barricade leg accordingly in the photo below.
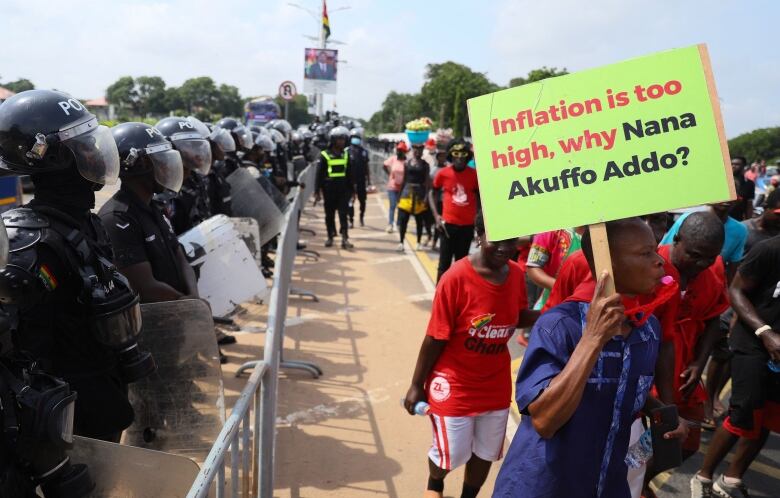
(294, 291)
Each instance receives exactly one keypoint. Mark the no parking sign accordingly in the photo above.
(287, 90)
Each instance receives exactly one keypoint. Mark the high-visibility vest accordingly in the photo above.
(337, 168)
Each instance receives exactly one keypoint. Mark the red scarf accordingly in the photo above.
(638, 308)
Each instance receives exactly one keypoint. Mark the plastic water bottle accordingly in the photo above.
(773, 366)
(422, 408)
(641, 451)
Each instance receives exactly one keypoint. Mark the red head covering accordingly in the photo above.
(402, 147)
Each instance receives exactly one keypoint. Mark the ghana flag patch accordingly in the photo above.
(47, 277)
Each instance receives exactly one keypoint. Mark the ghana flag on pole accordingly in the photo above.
(325, 22)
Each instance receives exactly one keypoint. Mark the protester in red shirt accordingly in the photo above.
(458, 184)
(463, 369)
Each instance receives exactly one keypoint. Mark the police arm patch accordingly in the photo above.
(47, 278)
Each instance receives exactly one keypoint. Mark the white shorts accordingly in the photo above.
(456, 438)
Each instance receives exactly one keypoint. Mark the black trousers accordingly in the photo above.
(361, 197)
(403, 223)
(455, 243)
(336, 199)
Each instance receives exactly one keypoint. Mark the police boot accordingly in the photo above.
(346, 244)
(329, 242)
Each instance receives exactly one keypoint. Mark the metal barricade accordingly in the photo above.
(253, 418)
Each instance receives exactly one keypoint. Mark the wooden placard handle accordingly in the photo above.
(601, 257)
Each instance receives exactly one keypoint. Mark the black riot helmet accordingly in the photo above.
(221, 138)
(42, 131)
(265, 143)
(143, 150)
(195, 150)
(283, 127)
(241, 133)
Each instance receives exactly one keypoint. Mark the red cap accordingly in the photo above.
(402, 147)
(430, 143)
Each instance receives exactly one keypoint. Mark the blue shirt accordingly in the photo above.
(733, 245)
(585, 458)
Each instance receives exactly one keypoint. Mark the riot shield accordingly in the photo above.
(228, 274)
(126, 472)
(180, 408)
(309, 178)
(299, 163)
(274, 193)
(249, 230)
(250, 200)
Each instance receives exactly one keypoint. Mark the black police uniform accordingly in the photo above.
(334, 178)
(191, 206)
(140, 233)
(358, 161)
(219, 189)
(57, 261)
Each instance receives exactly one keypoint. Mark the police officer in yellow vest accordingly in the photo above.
(336, 185)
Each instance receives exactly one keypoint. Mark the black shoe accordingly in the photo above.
(329, 242)
(300, 246)
(222, 358)
(224, 339)
(362, 222)
(346, 244)
(267, 272)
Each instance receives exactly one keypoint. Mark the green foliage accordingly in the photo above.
(443, 97)
(397, 109)
(542, 73)
(150, 95)
(763, 143)
(20, 85)
(123, 95)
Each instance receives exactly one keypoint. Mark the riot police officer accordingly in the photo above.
(358, 160)
(242, 136)
(192, 204)
(146, 249)
(74, 310)
(218, 188)
(335, 184)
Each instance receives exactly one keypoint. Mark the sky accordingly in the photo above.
(82, 46)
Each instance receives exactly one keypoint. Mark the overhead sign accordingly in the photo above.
(320, 67)
(287, 90)
(628, 139)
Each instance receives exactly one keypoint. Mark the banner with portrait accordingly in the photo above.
(320, 70)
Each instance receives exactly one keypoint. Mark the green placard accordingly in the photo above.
(628, 139)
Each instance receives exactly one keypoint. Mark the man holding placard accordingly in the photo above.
(586, 148)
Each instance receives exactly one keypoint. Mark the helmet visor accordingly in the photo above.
(195, 154)
(62, 420)
(244, 136)
(223, 139)
(168, 169)
(97, 158)
(199, 126)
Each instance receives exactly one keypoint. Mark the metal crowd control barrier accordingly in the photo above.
(251, 448)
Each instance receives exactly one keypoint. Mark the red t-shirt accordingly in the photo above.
(573, 272)
(459, 202)
(684, 317)
(476, 318)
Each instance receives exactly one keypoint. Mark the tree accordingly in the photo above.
(199, 95)
(20, 85)
(123, 95)
(763, 143)
(150, 95)
(397, 109)
(447, 88)
(229, 101)
(542, 73)
(297, 111)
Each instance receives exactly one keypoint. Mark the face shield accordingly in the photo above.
(244, 136)
(195, 152)
(168, 168)
(94, 148)
(223, 139)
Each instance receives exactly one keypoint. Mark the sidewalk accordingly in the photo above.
(346, 434)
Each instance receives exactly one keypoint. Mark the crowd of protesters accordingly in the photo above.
(696, 304)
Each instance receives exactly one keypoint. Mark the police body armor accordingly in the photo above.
(90, 339)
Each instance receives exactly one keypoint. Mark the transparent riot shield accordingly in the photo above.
(250, 200)
(227, 272)
(180, 408)
(275, 194)
(126, 472)
(299, 163)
